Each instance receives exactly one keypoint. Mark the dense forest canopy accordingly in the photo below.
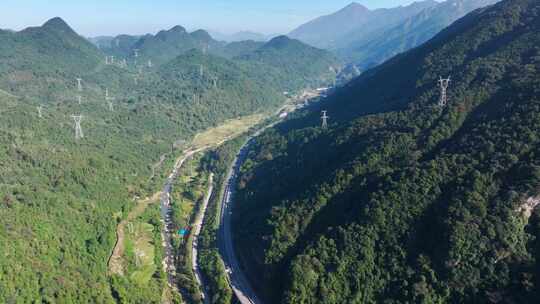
(401, 200)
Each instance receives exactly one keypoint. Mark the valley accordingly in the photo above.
(206, 140)
(372, 155)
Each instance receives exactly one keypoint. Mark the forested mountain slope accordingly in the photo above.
(120, 46)
(60, 198)
(402, 201)
(40, 59)
(166, 45)
(287, 64)
(296, 62)
(239, 48)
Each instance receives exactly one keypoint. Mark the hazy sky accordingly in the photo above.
(110, 17)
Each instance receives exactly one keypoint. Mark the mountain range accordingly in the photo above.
(400, 199)
(241, 36)
(369, 37)
(338, 29)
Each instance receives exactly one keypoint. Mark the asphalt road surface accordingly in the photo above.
(238, 281)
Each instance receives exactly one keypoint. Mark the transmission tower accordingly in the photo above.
(136, 51)
(201, 70)
(78, 130)
(79, 84)
(79, 99)
(109, 100)
(109, 60)
(39, 109)
(149, 63)
(324, 118)
(111, 105)
(443, 84)
(138, 256)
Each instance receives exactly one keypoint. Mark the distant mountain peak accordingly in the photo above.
(57, 23)
(355, 6)
(174, 32)
(201, 35)
(279, 42)
(177, 29)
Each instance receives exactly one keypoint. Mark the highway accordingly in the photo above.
(238, 281)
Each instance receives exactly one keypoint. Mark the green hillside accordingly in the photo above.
(400, 201)
(300, 65)
(240, 48)
(207, 84)
(120, 46)
(61, 199)
(166, 45)
(39, 60)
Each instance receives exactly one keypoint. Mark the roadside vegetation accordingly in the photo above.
(188, 193)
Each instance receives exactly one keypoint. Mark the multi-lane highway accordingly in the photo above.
(238, 281)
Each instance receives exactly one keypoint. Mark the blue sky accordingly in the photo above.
(102, 17)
